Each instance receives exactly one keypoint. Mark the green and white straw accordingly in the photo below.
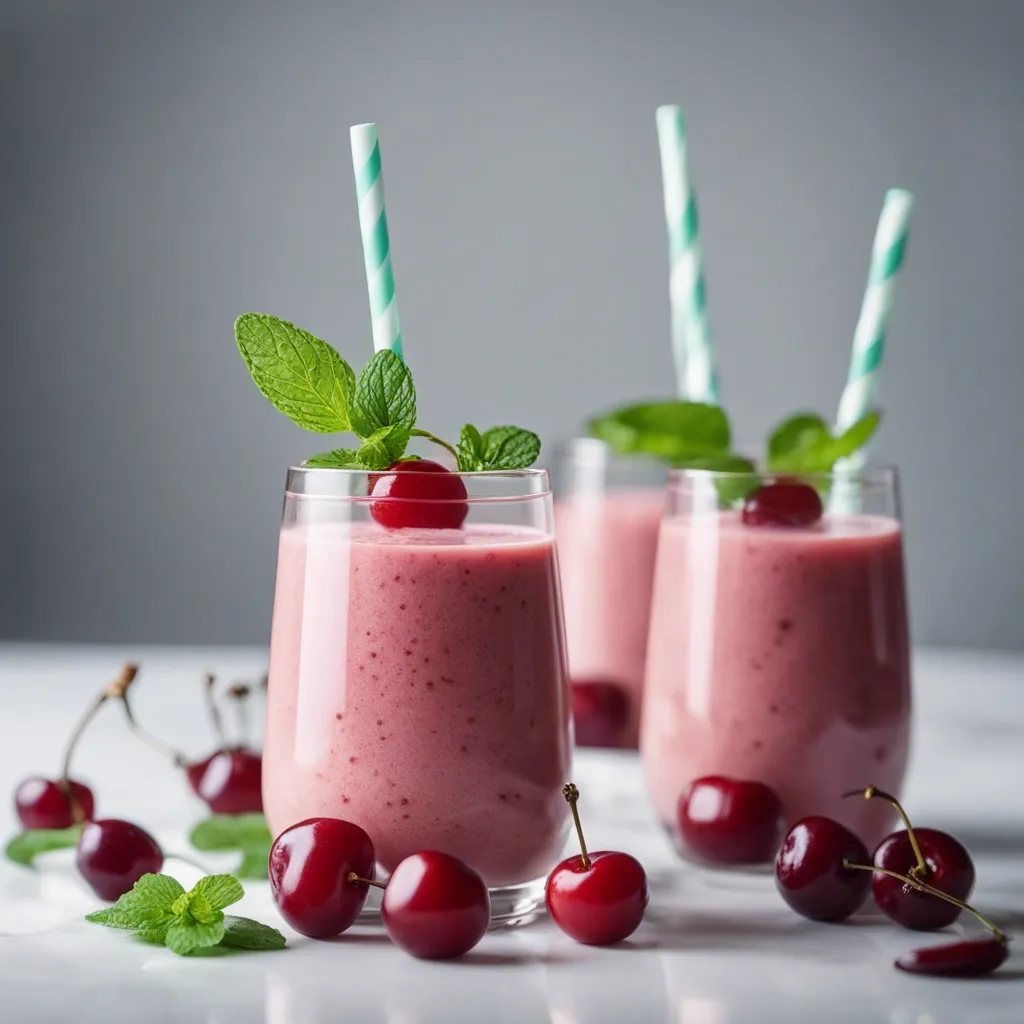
(869, 336)
(692, 349)
(373, 223)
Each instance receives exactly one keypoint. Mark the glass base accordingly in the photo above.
(718, 873)
(512, 906)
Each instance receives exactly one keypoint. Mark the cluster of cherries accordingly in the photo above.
(113, 854)
(434, 905)
(920, 878)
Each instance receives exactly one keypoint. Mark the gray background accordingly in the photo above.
(169, 165)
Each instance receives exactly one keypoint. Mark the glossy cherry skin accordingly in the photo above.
(435, 907)
(113, 855)
(809, 872)
(729, 821)
(41, 803)
(971, 958)
(421, 494)
(599, 711)
(599, 904)
(229, 781)
(784, 503)
(950, 869)
(309, 870)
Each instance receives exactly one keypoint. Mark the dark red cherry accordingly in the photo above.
(784, 503)
(229, 781)
(949, 868)
(435, 907)
(113, 855)
(420, 494)
(970, 958)
(810, 872)
(599, 711)
(729, 821)
(310, 867)
(42, 803)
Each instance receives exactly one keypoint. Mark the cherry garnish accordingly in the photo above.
(729, 821)
(783, 503)
(970, 958)
(925, 854)
(811, 872)
(61, 803)
(435, 907)
(596, 898)
(320, 870)
(113, 855)
(229, 781)
(599, 711)
(420, 494)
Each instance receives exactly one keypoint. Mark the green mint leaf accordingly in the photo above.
(470, 449)
(147, 908)
(385, 395)
(26, 846)
(800, 433)
(230, 832)
(336, 458)
(383, 447)
(674, 432)
(254, 862)
(301, 375)
(219, 891)
(855, 437)
(811, 451)
(244, 933)
(186, 935)
(741, 482)
(510, 448)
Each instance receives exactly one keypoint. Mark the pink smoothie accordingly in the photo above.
(606, 548)
(782, 656)
(417, 688)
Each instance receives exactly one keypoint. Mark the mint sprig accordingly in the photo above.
(26, 846)
(307, 380)
(160, 911)
(804, 443)
(246, 833)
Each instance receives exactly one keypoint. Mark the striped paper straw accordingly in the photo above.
(692, 350)
(869, 337)
(373, 223)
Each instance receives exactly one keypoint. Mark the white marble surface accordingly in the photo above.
(713, 950)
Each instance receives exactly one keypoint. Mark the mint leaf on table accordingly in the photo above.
(26, 846)
(146, 909)
(672, 431)
(385, 395)
(496, 449)
(246, 833)
(244, 933)
(804, 443)
(219, 891)
(301, 375)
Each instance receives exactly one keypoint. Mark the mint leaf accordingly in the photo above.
(855, 437)
(186, 935)
(741, 481)
(244, 933)
(800, 433)
(337, 458)
(805, 449)
(510, 448)
(671, 431)
(383, 447)
(247, 833)
(301, 375)
(219, 890)
(384, 396)
(26, 846)
(470, 449)
(147, 908)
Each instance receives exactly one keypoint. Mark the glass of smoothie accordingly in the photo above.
(779, 651)
(418, 682)
(607, 515)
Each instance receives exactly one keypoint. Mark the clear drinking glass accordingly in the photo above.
(780, 654)
(607, 515)
(417, 678)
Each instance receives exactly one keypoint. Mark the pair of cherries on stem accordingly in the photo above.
(920, 878)
(434, 907)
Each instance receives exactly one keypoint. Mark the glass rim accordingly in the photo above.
(871, 475)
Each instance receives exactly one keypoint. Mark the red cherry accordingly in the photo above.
(435, 907)
(420, 494)
(810, 872)
(597, 898)
(230, 781)
(113, 855)
(970, 958)
(784, 503)
(599, 711)
(729, 821)
(42, 803)
(310, 867)
(949, 868)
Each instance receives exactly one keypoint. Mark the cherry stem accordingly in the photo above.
(177, 758)
(417, 432)
(353, 877)
(572, 794)
(916, 883)
(187, 860)
(116, 689)
(212, 711)
(239, 693)
(919, 869)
